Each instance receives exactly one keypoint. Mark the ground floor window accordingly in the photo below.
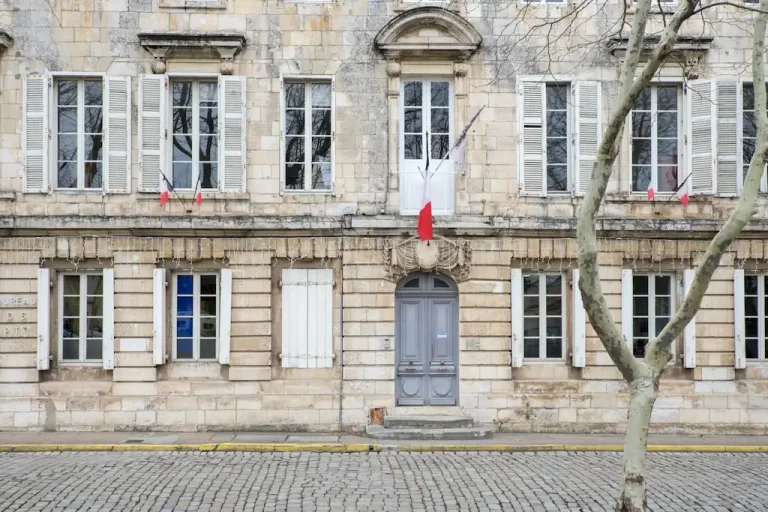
(195, 316)
(652, 306)
(543, 316)
(81, 318)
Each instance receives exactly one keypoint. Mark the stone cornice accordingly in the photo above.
(218, 45)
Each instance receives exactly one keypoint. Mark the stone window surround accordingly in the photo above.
(221, 45)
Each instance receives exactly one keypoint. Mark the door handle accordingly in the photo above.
(442, 369)
(410, 369)
(442, 362)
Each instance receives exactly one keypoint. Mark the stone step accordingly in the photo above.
(428, 434)
(427, 421)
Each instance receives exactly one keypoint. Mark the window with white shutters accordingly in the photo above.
(307, 318)
(543, 316)
(86, 317)
(195, 316)
(754, 316)
(653, 301)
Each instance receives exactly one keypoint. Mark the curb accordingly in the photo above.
(360, 448)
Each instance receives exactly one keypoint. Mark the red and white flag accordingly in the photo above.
(424, 227)
(165, 196)
(651, 194)
(684, 198)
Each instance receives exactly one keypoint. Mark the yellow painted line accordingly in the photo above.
(245, 447)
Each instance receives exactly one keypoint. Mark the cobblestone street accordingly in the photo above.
(557, 481)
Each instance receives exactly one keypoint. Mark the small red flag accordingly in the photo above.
(651, 193)
(164, 197)
(425, 222)
(684, 199)
(199, 198)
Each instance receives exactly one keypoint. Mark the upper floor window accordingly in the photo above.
(81, 318)
(652, 306)
(655, 128)
(543, 316)
(79, 133)
(308, 135)
(195, 128)
(195, 316)
(556, 129)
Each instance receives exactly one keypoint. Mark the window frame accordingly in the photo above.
(673, 293)
(542, 314)
(196, 79)
(307, 79)
(681, 120)
(53, 143)
(761, 311)
(570, 113)
(82, 318)
(195, 316)
(740, 137)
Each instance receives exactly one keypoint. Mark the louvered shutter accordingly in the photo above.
(294, 317)
(588, 132)
(700, 127)
(320, 318)
(232, 133)
(728, 138)
(153, 92)
(516, 289)
(225, 318)
(531, 175)
(689, 333)
(36, 134)
(578, 317)
(158, 316)
(117, 134)
(626, 306)
(43, 319)
(108, 348)
(740, 352)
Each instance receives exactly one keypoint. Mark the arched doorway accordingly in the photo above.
(426, 340)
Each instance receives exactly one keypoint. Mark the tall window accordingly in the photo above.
(754, 316)
(426, 109)
(557, 137)
(652, 306)
(655, 139)
(308, 135)
(195, 316)
(195, 123)
(543, 316)
(81, 317)
(79, 133)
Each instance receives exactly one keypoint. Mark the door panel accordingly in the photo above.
(442, 345)
(410, 365)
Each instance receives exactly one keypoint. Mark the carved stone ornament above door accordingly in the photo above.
(450, 257)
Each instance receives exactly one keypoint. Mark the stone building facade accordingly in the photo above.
(280, 286)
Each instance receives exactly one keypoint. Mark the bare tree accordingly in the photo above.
(643, 375)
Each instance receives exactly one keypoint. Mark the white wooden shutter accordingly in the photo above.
(531, 175)
(588, 132)
(516, 289)
(740, 356)
(117, 134)
(158, 316)
(294, 317)
(43, 319)
(153, 92)
(320, 318)
(689, 333)
(578, 317)
(700, 132)
(728, 138)
(626, 306)
(36, 132)
(232, 133)
(108, 348)
(225, 319)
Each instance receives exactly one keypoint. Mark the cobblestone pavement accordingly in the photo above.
(165, 481)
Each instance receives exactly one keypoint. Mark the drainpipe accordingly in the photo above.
(341, 360)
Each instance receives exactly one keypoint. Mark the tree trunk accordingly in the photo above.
(643, 391)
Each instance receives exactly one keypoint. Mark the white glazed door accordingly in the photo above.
(426, 126)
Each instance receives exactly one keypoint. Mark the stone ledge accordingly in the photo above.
(201, 45)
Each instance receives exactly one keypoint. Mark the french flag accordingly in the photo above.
(165, 196)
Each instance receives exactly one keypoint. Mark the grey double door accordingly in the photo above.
(427, 341)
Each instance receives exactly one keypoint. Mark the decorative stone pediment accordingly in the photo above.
(403, 257)
(6, 41)
(687, 50)
(428, 32)
(200, 45)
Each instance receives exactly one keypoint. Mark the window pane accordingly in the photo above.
(531, 327)
(531, 306)
(95, 285)
(531, 348)
(67, 175)
(182, 148)
(640, 306)
(750, 285)
(412, 121)
(641, 152)
(749, 97)
(749, 151)
(208, 285)
(412, 94)
(93, 120)
(554, 285)
(557, 96)
(663, 306)
(183, 327)
(93, 349)
(641, 124)
(184, 285)
(663, 285)
(439, 93)
(70, 328)
(660, 324)
(184, 306)
(208, 327)
(209, 93)
(638, 347)
(554, 348)
(321, 149)
(667, 179)
(321, 176)
(640, 285)
(294, 176)
(321, 122)
(413, 283)
(321, 95)
(67, 92)
(71, 306)
(439, 283)
(93, 147)
(667, 124)
(94, 306)
(71, 285)
(750, 327)
(294, 149)
(412, 147)
(531, 285)
(294, 122)
(208, 306)
(557, 151)
(209, 120)
(184, 348)
(557, 178)
(94, 328)
(554, 327)
(182, 94)
(71, 349)
(209, 175)
(209, 148)
(750, 306)
(639, 327)
(667, 151)
(67, 120)
(643, 101)
(208, 348)
(641, 178)
(667, 97)
(67, 147)
(751, 348)
(750, 124)
(440, 118)
(182, 120)
(182, 175)
(439, 146)
(294, 95)
(93, 174)
(557, 124)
